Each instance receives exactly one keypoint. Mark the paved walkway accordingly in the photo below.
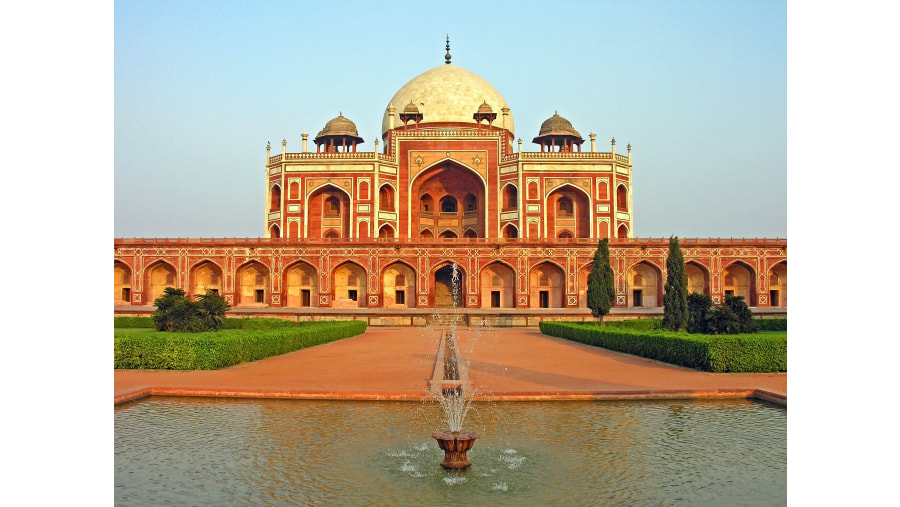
(505, 363)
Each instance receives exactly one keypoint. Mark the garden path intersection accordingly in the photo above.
(513, 364)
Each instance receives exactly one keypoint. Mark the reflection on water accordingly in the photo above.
(278, 452)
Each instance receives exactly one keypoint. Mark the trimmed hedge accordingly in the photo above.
(133, 322)
(747, 353)
(771, 324)
(229, 323)
(214, 350)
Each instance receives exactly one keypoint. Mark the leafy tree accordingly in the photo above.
(601, 289)
(699, 308)
(675, 300)
(175, 312)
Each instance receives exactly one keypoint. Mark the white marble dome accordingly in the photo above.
(447, 93)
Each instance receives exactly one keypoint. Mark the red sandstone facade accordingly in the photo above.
(449, 191)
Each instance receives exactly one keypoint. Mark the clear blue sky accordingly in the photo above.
(699, 88)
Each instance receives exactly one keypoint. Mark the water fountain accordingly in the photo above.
(450, 386)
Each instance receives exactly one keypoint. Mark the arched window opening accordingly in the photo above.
(622, 232)
(448, 234)
(470, 234)
(510, 231)
(332, 207)
(275, 204)
(332, 234)
(510, 197)
(448, 204)
(565, 235)
(426, 204)
(470, 203)
(565, 207)
(386, 198)
(621, 198)
(276, 232)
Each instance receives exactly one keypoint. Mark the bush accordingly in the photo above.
(713, 353)
(215, 350)
(176, 312)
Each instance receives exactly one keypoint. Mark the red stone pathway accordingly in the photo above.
(505, 363)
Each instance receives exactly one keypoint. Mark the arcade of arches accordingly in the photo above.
(262, 273)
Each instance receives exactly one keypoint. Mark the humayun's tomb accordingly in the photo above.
(377, 234)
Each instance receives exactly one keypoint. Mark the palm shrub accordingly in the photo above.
(699, 308)
(211, 308)
(175, 312)
(742, 312)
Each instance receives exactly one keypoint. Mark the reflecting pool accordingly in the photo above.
(186, 451)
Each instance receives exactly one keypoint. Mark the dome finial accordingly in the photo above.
(447, 56)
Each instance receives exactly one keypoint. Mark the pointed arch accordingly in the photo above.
(386, 198)
(387, 232)
(778, 285)
(568, 207)
(510, 231)
(275, 198)
(157, 276)
(398, 285)
(498, 285)
(621, 198)
(274, 231)
(547, 285)
(122, 283)
(328, 209)
(205, 275)
(739, 279)
(301, 285)
(697, 277)
(449, 285)
(510, 197)
(349, 285)
(253, 285)
(643, 285)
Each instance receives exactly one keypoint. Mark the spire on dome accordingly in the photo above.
(447, 56)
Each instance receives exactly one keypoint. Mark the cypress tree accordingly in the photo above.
(675, 307)
(601, 289)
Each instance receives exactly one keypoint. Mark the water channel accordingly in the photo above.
(193, 451)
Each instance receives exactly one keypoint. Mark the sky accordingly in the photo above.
(698, 88)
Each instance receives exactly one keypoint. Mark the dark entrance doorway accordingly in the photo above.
(447, 290)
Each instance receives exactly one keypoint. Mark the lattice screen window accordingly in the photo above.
(305, 280)
(495, 281)
(259, 280)
(545, 280)
(352, 280)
